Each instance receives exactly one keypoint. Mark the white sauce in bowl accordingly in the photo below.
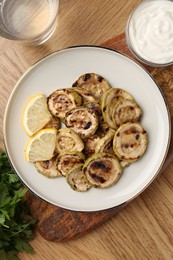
(150, 31)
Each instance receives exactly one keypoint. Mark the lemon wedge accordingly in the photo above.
(41, 146)
(36, 114)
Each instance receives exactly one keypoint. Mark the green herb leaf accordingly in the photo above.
(13, 178)
(16, 224)
(23, 246)
(2, 219)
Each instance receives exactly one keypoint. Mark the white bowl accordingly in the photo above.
(147, 36)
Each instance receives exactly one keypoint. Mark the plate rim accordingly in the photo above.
(97, 47)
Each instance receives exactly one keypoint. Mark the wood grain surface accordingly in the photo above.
(144, 228)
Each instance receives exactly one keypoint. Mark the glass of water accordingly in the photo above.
(31, 21)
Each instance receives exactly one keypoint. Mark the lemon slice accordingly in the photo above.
(41, 146)
(36, 114)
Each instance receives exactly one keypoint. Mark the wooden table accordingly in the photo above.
(144, 228)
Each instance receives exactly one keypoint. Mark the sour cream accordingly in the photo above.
(150, 31)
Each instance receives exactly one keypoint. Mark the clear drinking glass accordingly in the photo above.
(31, 21)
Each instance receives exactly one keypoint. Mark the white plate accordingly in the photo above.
(61, 69)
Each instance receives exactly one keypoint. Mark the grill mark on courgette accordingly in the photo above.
(75, 84)
(100, 78)
(104, 109)
(86, 77)
(137, 136)
(100, 165)
(73, 160)
(87, 126)
(98, 178)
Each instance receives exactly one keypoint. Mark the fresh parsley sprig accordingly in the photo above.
(16, 224)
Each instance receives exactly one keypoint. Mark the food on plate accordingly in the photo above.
(103, 127)
(63, 100)
(67, 160)
(41, 146)
(93, 83)
(76, 179)
(89, 133)
(85, 94)
(68, 140)
(53, 123)
(109, 100)
(82, 120)
(124, 164)
(48, 168)
(94, 106)
(89, 100)
(35, 115)
(130, 142)
(105, 144)
(102, 170)
(126, 110)
(90, 144)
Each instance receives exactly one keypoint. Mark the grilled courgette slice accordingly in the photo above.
(103, 127)
(89, 100)
(48, 168)
(68, 140)
(76, 179)
(109, 100)
(102, 170)
(96, 106)
(90, 145)
(66, 161)
(82, 120)
(63, 100)
(86, 95)
(124, 164)
(130, 142)
(53, 123)
(93, 83)
(125, 111)
(105, 145)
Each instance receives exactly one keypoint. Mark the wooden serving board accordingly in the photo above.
(58, 224)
